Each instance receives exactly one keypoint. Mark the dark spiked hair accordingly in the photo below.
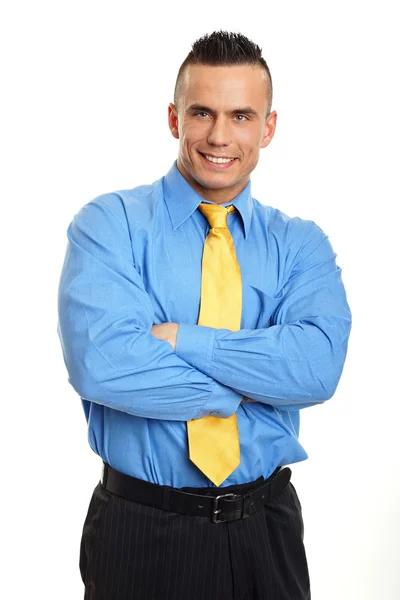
(224, 48)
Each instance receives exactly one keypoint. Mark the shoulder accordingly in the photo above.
(293, 229)
(139, 202)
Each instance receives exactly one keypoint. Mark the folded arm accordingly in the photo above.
(104, 326)
(298, 361)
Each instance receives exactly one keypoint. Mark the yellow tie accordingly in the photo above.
(214, 445)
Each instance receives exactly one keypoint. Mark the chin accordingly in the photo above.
(214, 183)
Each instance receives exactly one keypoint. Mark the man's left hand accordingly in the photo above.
(167, 332)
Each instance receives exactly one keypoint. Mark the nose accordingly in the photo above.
(219, 133)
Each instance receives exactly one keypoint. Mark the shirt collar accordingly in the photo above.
(182, 200)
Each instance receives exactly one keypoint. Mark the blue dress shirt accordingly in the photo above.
(133, 260)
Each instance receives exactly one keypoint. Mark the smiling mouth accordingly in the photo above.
(218, 160)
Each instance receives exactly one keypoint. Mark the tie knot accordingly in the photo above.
(215, 214)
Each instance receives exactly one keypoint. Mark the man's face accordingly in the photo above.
(221, 114)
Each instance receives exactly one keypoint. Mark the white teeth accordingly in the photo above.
(218, 160)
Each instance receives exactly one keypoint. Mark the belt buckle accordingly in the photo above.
(217, 510)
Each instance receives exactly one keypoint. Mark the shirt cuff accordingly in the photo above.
(195, 344)
(223, 402)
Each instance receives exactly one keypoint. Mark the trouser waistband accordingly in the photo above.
(228, 503)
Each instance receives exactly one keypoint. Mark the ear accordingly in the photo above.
(269, 129)
(173, 120)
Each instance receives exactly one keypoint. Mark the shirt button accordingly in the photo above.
(214, 413)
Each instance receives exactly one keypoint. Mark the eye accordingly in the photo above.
(201, 114)
(241, 118)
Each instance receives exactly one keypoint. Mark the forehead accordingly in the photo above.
(241, 85)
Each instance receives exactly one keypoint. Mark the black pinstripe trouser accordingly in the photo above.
(132, 551)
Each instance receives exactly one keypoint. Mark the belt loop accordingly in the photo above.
(105, 474)
(268, 494)
(270, 487)
(165, 497)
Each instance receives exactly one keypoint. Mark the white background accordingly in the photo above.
(85, 90)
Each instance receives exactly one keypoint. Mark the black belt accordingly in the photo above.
(221, 507)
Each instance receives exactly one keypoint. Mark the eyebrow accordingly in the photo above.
(246, 110)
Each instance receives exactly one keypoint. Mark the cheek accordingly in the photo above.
(194, 132)
(250, 140)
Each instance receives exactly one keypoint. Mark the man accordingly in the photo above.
(195, 323)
